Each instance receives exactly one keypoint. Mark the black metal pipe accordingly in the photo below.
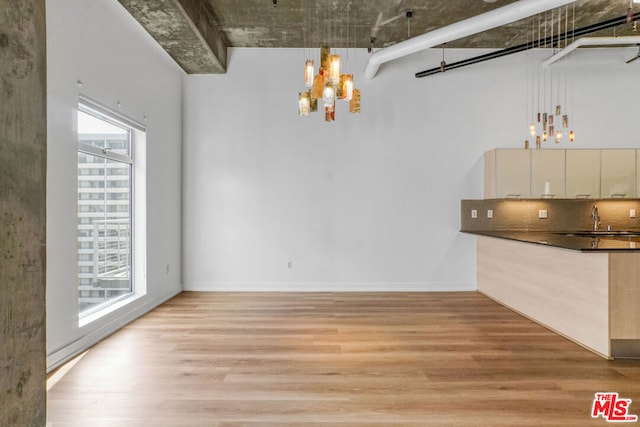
(551, 40)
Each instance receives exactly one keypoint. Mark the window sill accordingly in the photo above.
(86, 319)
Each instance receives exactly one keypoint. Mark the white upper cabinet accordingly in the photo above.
(507, 173)
(547, 174)
(583, 174)
(618, 173)
(569, 174)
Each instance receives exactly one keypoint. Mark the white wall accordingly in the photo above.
(371, 201)
(100, 44)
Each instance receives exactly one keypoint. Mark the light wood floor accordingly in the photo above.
(336, 359)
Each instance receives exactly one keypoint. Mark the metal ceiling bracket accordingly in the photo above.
(592, 41)
(486, 21)
(549, 41)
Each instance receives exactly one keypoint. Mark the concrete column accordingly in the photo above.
(23, 161)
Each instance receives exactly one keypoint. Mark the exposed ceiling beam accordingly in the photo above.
(186, 29)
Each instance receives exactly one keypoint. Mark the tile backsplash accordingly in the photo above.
(562, 214)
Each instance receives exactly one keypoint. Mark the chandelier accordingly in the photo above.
(327, 87)
(550, 119)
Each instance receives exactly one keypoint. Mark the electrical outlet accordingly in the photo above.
(474, 213)
(167, 268)
(289, 264)
(489, 213)
(632, 213)
(542, 213)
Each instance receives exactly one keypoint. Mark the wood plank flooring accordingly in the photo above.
(336, 359)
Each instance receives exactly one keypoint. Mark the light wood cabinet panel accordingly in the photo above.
(564, 290)
(589, 297)
(582, 174)
(618, 173)
(490, 174)
(507, 173)
(625, 295)
(548, 166)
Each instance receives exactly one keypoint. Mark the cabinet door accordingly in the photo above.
(513, 173)
(618, 173)
(547, 174)
(583, 174)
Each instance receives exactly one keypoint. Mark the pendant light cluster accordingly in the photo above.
(327, 87)
(551, 124)
(551, 129)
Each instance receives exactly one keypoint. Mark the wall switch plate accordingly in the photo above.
(474, 213)
(542, 213)
(632, 213)
(489, 213)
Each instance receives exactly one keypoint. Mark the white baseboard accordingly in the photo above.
(124, 317)
(329, 287)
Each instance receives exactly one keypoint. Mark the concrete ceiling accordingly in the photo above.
(196, 33)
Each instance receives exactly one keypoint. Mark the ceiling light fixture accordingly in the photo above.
(329, 84)
(308, 73)
(546, 89)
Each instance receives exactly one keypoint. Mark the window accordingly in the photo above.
(106, 243)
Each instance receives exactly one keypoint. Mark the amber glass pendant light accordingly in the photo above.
(318, 87)
(340, 87)
(313, 103)
(329, 94)
(558, 137)
(348, 88)
(334, 68)
(329, 113)
(308, 73)
(304, 104)
(354, 104)
(325, 53)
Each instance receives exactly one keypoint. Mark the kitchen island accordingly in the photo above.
(585, 287)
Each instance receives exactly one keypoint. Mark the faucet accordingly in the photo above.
(595, 217)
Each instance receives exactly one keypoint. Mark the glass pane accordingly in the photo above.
(104, 230)
(101, 134)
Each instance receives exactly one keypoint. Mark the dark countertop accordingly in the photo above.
(577, 240)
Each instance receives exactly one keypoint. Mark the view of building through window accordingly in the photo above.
(105, 167)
